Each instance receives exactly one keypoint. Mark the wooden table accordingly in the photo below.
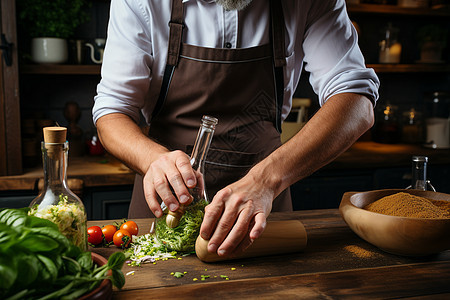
(328, 268)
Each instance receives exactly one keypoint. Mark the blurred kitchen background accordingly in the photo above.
(405, 41)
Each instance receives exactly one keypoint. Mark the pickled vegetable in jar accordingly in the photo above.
(56, 202)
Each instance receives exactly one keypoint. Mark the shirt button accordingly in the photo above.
(228, 45)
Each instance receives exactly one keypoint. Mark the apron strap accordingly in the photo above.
(278, 31)
(176, 25)
(279, 60)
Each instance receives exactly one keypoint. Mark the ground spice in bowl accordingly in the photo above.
(407, 205)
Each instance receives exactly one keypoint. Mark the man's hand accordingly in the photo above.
(172, 171)
(236, 216)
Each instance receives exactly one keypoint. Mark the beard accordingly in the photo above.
(233, 4)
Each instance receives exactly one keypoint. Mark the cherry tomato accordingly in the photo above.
(131, 227)
(108, 232)
(95, 236)
(122, 238)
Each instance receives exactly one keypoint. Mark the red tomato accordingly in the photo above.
(108, 232)
(95, 236)
(131, 227)
(122, 238)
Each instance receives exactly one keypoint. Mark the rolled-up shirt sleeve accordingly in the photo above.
(332, 54)
(127, 61)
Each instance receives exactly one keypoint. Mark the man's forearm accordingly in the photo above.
(123, 138)
(332, 130)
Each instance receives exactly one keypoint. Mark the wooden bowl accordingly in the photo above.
(396, 235)
(104, 290)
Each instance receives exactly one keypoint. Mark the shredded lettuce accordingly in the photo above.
(148, 249)
(182, 238)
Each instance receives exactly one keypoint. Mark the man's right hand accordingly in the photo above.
(164, 172)
(171, 173)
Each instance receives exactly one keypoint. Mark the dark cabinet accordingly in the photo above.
(325, 190)
(109, 202)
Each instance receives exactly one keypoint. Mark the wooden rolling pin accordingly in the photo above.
(279, 237)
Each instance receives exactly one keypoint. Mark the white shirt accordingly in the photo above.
(319, 34)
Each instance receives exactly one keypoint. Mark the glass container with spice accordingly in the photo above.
(57, 202)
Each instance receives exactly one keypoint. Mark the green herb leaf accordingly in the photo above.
(13, 217)
(8, 272)
(116, 260)
(35, 222)
(50, 272)
(71, 265)
(118, 279)
(178, 274)
(72, 251)
(27, 269)
(85, 260)
(38, 243)
(52, 233)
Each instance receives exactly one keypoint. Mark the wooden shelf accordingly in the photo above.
(95, 69)
(410, 68)
(397, 10)
(61, 69)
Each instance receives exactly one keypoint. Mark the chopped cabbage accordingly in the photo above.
(70, 218)
(182, 238)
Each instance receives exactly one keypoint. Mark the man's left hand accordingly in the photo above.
(236, 216)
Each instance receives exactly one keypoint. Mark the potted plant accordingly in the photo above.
(49, 23)
(432, 40)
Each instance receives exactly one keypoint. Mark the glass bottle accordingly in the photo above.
(386, 128)
(419, 174)
(390, 48)
(412, 129)
(175, 223)
(57, 202)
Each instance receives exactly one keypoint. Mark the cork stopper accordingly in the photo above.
(55, 134)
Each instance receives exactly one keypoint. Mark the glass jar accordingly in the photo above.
(419, 174)
(57, 202)
(178, 230)
(412, 127)
(387, 129)
(390, 48)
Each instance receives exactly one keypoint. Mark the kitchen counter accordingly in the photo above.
(336, 263)
(97, 171)
(94, 171)
(366, 155)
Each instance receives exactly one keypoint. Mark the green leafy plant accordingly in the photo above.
(432, 33)
(38, 262)
(51, 18)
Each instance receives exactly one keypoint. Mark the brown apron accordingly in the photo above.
(243, 88)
